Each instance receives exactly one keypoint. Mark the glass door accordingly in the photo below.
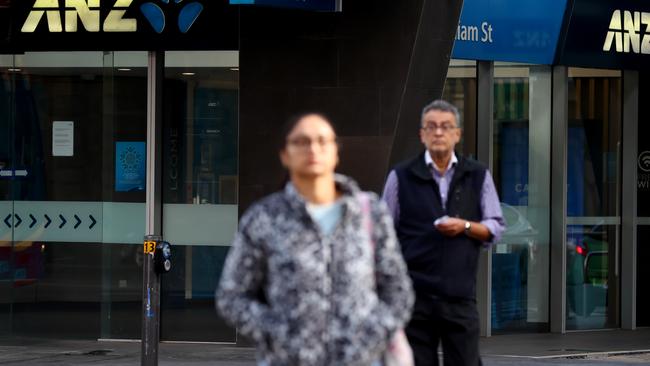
(521, 170)
(200, 189)
(593, 199)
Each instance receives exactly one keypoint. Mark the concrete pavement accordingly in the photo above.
(606, 348)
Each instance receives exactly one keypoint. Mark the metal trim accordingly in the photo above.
(642, 220)
(153, 208)
(559, 199)
(593, 220)
(153, 218)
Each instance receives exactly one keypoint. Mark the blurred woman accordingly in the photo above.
(306, 277)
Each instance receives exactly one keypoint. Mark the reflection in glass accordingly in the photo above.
(521, 171)
(593, 207)
(643, 276)
(461, 90)
(588, 276)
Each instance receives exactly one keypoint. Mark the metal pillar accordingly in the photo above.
(559, 123)
(484, 131)
(630, 153)
(151, 280)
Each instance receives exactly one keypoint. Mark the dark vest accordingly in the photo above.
(439, 266)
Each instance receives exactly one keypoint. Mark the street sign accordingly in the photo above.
(489, 30)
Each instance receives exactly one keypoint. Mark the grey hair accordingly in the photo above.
(443, 106)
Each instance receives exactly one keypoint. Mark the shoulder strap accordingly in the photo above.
(364, 202)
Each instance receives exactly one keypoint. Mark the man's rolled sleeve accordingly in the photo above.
(390, 195)
(491, 209)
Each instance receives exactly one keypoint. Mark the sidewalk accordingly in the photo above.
(116, 353)
(609, 347)
(546, 345)
(585, 348)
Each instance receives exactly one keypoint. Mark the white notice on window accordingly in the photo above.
(63, 138)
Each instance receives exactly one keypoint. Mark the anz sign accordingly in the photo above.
(628, 32)
(67, 15)
(606, 34)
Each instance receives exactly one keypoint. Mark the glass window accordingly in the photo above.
(521, 171)
(593, 199)
(200, 188)
(6, 205)
(72, 197)
(460, 90)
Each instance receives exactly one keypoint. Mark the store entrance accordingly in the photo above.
(73, 137)
(69, 265)
(200, 189)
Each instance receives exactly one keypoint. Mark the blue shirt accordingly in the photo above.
(326, 216)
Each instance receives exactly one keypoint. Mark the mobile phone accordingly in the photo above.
(440, 220)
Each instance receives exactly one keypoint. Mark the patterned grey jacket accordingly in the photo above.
(308, 298)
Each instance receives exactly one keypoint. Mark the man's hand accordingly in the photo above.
(451, 226)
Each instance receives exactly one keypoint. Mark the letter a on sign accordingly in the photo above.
(615, 28)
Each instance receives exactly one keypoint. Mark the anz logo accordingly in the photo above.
(628, 32)
(89, 13)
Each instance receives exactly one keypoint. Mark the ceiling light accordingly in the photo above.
(234, 69)
(14, 70)
(189, 74)
(123, 69)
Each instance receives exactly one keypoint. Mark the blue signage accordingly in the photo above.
(130, 166)
(509, 30)
(316, 5)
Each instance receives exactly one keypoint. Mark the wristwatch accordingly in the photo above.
(468, 227)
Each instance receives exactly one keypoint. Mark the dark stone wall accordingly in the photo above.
(5, 23)
(370, 68)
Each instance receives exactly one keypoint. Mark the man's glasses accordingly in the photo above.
(304, 142)
(445, 127)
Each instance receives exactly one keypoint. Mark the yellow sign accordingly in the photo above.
(149, 247)
(88, 11)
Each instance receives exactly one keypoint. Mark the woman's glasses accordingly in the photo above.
(304, 142)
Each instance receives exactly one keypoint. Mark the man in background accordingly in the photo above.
(445, 208)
